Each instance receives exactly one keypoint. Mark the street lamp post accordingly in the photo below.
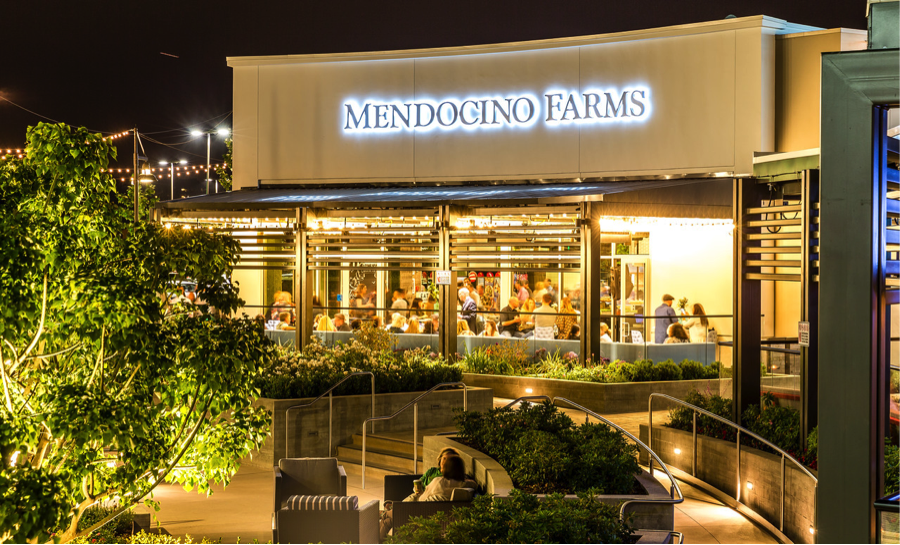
(172, 176)
(209, 133)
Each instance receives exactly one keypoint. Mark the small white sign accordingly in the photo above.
(443, 278)
(803, 333)
(637, 337)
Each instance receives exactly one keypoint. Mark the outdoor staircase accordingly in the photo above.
(384, 456)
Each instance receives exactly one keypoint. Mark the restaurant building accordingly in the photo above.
(615, 166)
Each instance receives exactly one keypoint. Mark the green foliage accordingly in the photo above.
(812, 443)
(891, 468)
(104, 382)
(144, 538)
(544, 451)
(521, 518)
(312, 371)
(779, 425)
(224, 171)
(508, 358)
(503, 358)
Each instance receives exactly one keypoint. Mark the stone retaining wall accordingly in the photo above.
(717, 466)
(603, 398)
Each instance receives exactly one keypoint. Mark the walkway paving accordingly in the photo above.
(244, 510)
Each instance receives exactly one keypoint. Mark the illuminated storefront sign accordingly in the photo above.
(519, 111)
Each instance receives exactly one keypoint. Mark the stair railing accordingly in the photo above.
(740, 429)
(415, 405)
(330, 409)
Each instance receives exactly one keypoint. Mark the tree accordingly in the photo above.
(224, 171)
(107, 389)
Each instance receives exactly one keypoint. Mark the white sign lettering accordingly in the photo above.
(483, 113)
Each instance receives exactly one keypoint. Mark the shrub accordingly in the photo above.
(503, 358)
(521, 518)
(544, 451)
(891, 468)
(779, 425)
(316, 368)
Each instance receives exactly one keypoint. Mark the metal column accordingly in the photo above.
(747, 303)
(852, 361)
(302, 281)
(591, 275)
(809, 304)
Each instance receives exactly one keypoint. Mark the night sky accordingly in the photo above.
(100, 63)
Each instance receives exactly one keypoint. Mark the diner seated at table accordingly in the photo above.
(510, 319)
(284, 322)
(398, 323)
(325, 324)
(566, 318)
(340, 323)
(526, 324)
(676, 334)
(490, 329)
(462, 329)
(412, 326)
(604, 333)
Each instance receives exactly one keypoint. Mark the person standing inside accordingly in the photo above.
(468, 308)
(398, 301)
(697, 325)
(665, 316)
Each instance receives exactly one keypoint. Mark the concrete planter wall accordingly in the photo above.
(496, 480)
(309, 426)
(623, 397)
(717, 466)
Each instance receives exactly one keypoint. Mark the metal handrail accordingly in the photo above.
(330, 409)
(653, 456)
(740, 429)
(415, 405)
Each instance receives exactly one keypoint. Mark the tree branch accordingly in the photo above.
(40, 329)
(187, 417)
(160, 479)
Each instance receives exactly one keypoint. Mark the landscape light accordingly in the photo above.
(528, 390)
(677, 451)
(749, 485)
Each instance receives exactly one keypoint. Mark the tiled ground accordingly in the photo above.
(244, 509)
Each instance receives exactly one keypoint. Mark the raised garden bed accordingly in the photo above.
(611, 398)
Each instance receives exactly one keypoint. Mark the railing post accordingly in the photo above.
(416, 439)
(364, 457)
(650, 433)
(737, 495)
(694, 450)
(465, 398)
(373, 402)
(783, 484)
(330, 422)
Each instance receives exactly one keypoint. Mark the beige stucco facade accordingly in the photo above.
(708, 102)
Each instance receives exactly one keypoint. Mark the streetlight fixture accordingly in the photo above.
(172, 176)
(209, 133)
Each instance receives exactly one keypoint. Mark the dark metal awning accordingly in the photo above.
(553, 193)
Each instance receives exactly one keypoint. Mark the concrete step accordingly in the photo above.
(374, 474)
(382, 458)
(388, 444)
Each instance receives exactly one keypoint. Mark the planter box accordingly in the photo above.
(612, 398)
(717, 466)
(496, 480)
(309, 426)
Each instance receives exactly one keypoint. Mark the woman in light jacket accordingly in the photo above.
(697, 325)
